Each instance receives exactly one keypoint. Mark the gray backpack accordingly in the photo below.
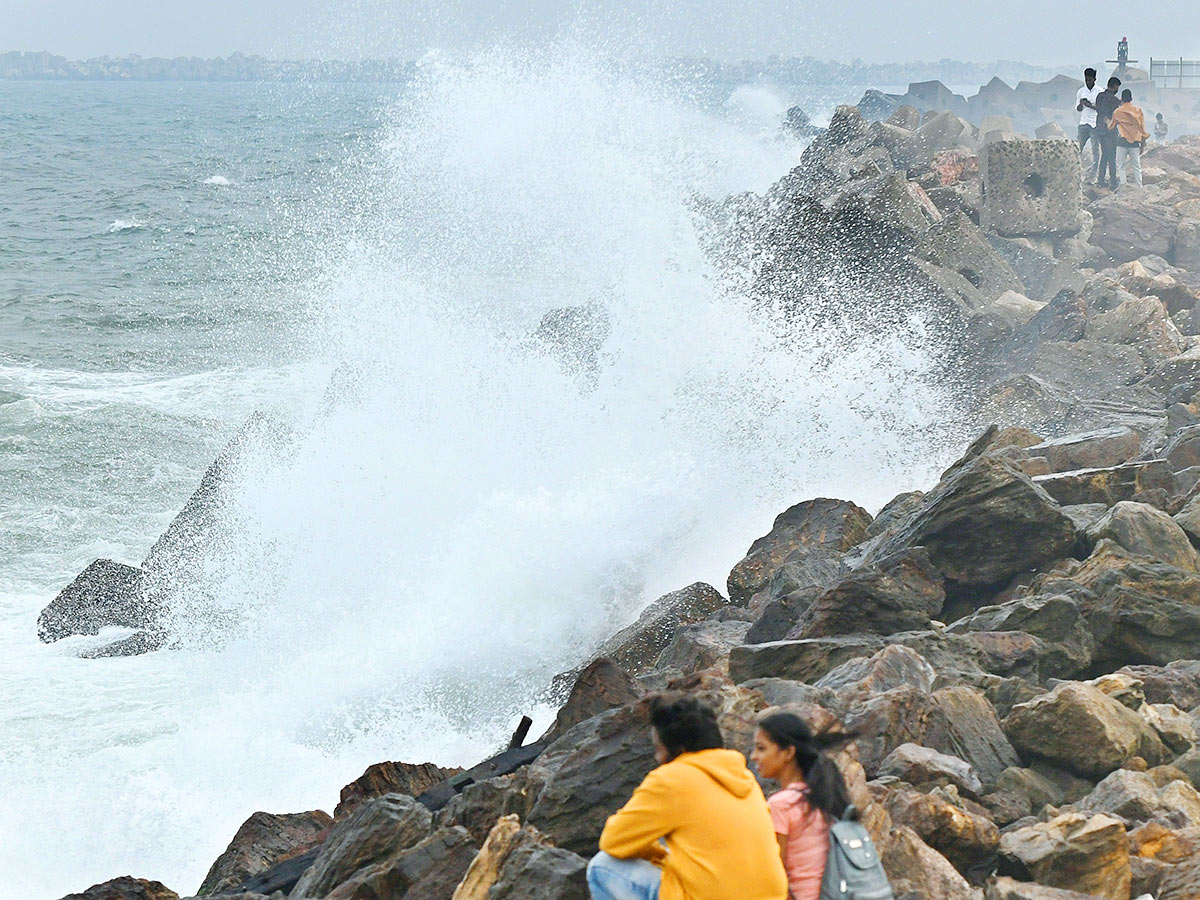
(853, 870)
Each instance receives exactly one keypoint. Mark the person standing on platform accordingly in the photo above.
(1106, 104)
(1130, 124)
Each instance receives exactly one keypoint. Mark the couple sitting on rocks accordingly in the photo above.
(698, 827)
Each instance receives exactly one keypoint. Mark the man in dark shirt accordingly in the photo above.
(1106, 104)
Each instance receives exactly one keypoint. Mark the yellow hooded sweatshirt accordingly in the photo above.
(720, 843)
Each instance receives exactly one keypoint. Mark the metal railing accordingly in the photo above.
(1175, 73)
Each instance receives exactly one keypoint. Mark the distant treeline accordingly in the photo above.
(242, 67)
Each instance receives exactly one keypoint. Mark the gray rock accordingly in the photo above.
(537, 872)
(105, 594)
(1090, 450)
(970, 730)
(891, 667)
(1108, 486)
(705, 645)
(371, 836)
(1031, 187)
(1147, 532)
(636, 648)
(262, 841)
(920, 766)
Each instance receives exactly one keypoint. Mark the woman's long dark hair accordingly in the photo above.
(826, 787)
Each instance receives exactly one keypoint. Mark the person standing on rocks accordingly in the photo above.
(1160, 128)
(813, 796)
(1106, 104)
(1085, 101)
(1130, 124)
(697, 827)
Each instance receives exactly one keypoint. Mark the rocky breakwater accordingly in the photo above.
(1016, 647)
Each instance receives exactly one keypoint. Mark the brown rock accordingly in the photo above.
(1108, 486)
(1007, 889)
(1078, 727)
(820, 524)
(1131, 225)
(126, 888)
(1142, 323)
(382, 778)
(601, 685)
(1182, 882)
(636, 648)
(1071, 851)
(1090, 450)
(892, 667)
(1147, 532)
(430, 869)
(263, 841)
(370, 836)
(967, 839)
(916, 869)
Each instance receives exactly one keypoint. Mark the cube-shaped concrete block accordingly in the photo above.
(1031, 187)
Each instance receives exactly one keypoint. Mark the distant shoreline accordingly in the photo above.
(45, 66)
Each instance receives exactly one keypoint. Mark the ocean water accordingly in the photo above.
(480, 510)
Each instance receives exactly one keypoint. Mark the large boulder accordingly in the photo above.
(969, 840)
(1090, 450)
(1108, 485)
(587, 774)
(1181, 881)
(535, 871)
(1142, 323)
(1055, 618)
(1086, 854)
(1130, 225)
(636, 648)
(917, 870)
(1134, 797)
(1082, 729)
(1004, 888)
(1031, 187)
(602, 685)
(705, 645)
(264, 840)
(984, 523)
(429, 870)
(126, 888)
(1177, 682)
(371, 836)
(970, 730)
(923, 767)
(1146, 532)
(820, 524)
(902, 592)
(892, 667)
(382, 778)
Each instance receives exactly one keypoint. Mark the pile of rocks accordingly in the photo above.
(1017, 648)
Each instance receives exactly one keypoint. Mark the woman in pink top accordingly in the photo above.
(813, 796)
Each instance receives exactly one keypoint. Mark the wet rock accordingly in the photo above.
(390, 778)
(1108, 486)
(792, 589)
(957, 243)
(901, 592)
(126, 888)
(105, 594)
(705, 645)
(968, 840)
(635, 649)
(263, 841)
(894, 512)
(602, 685)
(1080, 728)
(1031, 187)
(985, 523)
(371, 836)
(477, 807)
(1143, 324)
(1087, 854)
(922, 767)
(1147, 532)
(587, 774)
(1090, 450)
(820, 524)
(1063, 319)
(1085, 368)
(1129, 225)
(431, 869)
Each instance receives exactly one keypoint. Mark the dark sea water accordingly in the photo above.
(175, 256)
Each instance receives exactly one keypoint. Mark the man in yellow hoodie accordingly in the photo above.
(697, 827)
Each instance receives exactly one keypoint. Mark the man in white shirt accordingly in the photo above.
(1085, 101)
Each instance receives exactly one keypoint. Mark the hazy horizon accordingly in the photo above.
(362, 29)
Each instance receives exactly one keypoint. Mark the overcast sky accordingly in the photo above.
(1035, 31)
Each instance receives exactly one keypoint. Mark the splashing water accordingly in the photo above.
(488, 503)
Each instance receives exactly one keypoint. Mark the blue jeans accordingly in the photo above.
(610, 878)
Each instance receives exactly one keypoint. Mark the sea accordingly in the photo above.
(477, 513)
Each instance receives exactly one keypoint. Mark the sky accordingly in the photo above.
(1040, 32)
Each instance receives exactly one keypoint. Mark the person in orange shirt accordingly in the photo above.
(813, 796)
(697, 827)
(1130, 125)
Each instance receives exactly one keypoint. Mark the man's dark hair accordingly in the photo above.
(1127, 95)
(1114, 82)
(1087, 72)
(684, 724)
